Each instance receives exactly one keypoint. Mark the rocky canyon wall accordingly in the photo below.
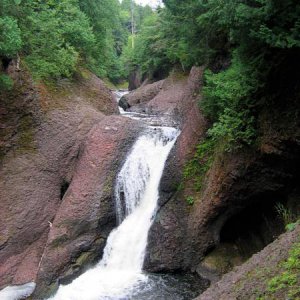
(234, 212)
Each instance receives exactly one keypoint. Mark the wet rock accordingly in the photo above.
(87, 212)
(123, 103)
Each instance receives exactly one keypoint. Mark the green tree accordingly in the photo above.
(10, 37)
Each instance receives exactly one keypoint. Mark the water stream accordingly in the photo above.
(119, 274)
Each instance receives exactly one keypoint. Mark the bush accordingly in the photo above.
(227, 101)
(234, 129)
(10, 37)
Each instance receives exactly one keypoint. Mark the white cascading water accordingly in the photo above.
(137, 191)
(17, 292)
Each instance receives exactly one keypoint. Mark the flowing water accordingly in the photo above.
(119, 274)
(17, 292)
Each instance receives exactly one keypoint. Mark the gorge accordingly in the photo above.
(72, 250)
(149, 154)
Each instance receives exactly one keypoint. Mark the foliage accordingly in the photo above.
(10, 37)
(198, 166)
(226, 101)
(292, 226)
(289, 277)
(234, 129)
(260, 36)
(288, 217)
(104, 17)
(56, 37)
(190, 200)
(46, 32)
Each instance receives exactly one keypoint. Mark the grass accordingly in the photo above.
(288, 280)
(288, 217)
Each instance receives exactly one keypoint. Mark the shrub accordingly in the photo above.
(10, 37)
(227, 102)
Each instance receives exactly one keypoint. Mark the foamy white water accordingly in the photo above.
(17, 292)
(137, 191)
(119, 94)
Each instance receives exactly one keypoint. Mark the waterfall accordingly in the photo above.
(136, 194)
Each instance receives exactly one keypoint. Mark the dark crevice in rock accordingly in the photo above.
(63, 189)
(250, 220)
(246, 232)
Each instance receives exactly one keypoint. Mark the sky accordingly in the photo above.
(152, 3)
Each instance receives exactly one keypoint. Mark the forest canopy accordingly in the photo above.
(55, 37)
(249, 48)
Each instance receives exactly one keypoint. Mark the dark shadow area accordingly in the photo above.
(255, 226)
(5, 63)
(63, 189)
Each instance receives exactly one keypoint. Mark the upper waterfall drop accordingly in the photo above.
(136, 192)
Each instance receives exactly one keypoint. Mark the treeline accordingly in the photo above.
(55, 37)
(250, 47)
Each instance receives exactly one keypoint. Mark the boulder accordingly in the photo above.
(141, 96)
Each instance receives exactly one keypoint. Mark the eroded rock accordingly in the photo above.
(87, 212)
(42, 132)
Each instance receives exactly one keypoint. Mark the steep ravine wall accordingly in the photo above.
(182, 235)
(60, 148)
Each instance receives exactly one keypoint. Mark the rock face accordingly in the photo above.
(61, 148)
(178, 97)
(136, 79)
(168, 229)
(182, 235)
(43, 149)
